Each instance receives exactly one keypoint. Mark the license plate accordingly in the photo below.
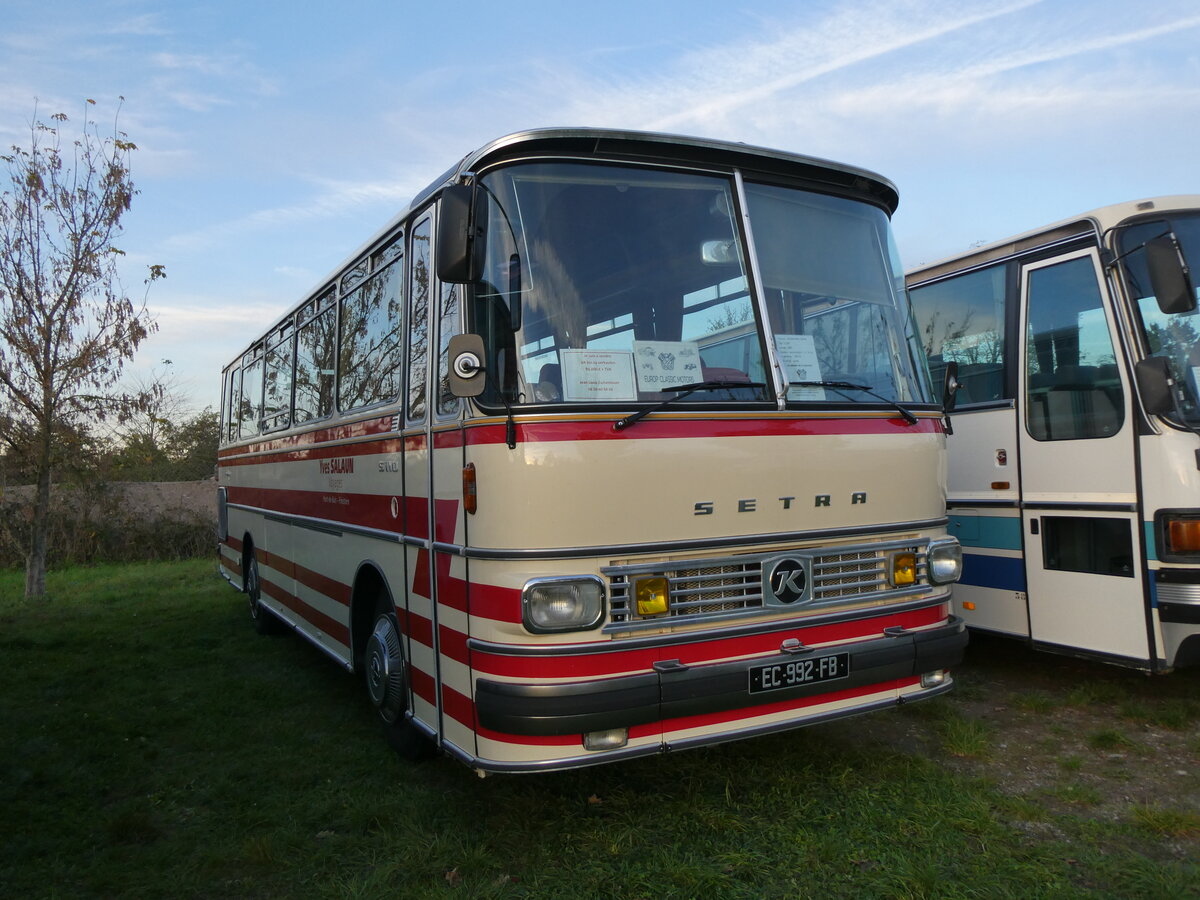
(795, 672)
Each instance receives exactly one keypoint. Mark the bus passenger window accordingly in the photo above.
(961, 320)
(315, 347)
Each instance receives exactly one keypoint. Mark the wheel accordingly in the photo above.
(263, 619)
(387, 684)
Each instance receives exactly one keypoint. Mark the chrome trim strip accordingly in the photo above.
(717, 561)
(694, 544)
(1081, 506)
(635, 626)
(668, 640)
(329, 526)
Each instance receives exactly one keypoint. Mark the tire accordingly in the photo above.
(387, 684)
(264, 621)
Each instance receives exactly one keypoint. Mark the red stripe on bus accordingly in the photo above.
(694, 654)
(366, 510)
(364, 428)
(422, 684)
(314, 617)
(661, 429)
(493, 602)
(458, 706)
(454, 644)
(391, 445)
(420, 628)
(309, 444)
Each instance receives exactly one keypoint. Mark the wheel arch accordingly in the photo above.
(369, 583)
(247, 552)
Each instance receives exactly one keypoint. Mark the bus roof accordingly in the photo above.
(657, 147)
(1093, 223)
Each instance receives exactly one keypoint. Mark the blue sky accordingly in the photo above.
(274, 138)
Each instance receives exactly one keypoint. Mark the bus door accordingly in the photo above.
(1078, 484)
(418, 620)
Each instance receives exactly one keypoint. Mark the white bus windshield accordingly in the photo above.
(606, 284)
(1173, 336)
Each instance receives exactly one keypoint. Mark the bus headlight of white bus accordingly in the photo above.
(562, 604)
(944, 561)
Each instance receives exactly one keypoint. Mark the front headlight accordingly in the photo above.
(944, 561)
(562, 604)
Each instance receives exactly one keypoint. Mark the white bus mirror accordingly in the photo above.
(459, 245)
(1169, 277)
(466, 354)
(1154, 383)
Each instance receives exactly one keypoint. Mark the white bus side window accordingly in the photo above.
(961, 320)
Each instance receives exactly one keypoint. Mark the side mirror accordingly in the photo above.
(1155, 384)
(459, 231)
(950, 387)
(466, 354)
(1169, 277)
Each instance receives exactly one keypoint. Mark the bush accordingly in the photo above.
(99, 522)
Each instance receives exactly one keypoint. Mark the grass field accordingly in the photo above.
(154, 746)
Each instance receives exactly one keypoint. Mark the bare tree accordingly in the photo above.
(66, 326)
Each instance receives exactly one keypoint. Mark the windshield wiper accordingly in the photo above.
(850, 386)
(680, 391)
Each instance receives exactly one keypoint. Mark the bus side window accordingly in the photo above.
(418, 317)
(250, 405)
(229, 412)
(315, 349)
(370, 351)
(961, 320)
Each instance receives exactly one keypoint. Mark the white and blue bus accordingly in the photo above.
(1073, 482)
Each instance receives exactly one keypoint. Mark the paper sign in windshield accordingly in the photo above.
(798, 356)
(598, 375)
(665, 364)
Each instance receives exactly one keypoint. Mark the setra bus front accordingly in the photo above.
(689, 479)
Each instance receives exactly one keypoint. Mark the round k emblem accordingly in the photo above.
(787, 580)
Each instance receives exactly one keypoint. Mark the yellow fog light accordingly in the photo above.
(904, 569)
(652, 595)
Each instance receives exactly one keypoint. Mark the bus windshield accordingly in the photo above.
(617, 285)
(1173, 336)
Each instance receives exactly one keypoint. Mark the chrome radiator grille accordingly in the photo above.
(733, 585)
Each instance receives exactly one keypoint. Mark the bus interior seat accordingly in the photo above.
(549, 386)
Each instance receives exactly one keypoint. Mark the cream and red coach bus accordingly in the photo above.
(612, 443)
(1074, 483)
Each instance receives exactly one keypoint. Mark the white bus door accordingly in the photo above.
(1078, 485)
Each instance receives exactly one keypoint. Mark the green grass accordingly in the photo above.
(154, 746)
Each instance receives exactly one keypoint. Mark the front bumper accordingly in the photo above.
(675, 690)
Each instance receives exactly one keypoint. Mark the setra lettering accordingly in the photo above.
(750, 504)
